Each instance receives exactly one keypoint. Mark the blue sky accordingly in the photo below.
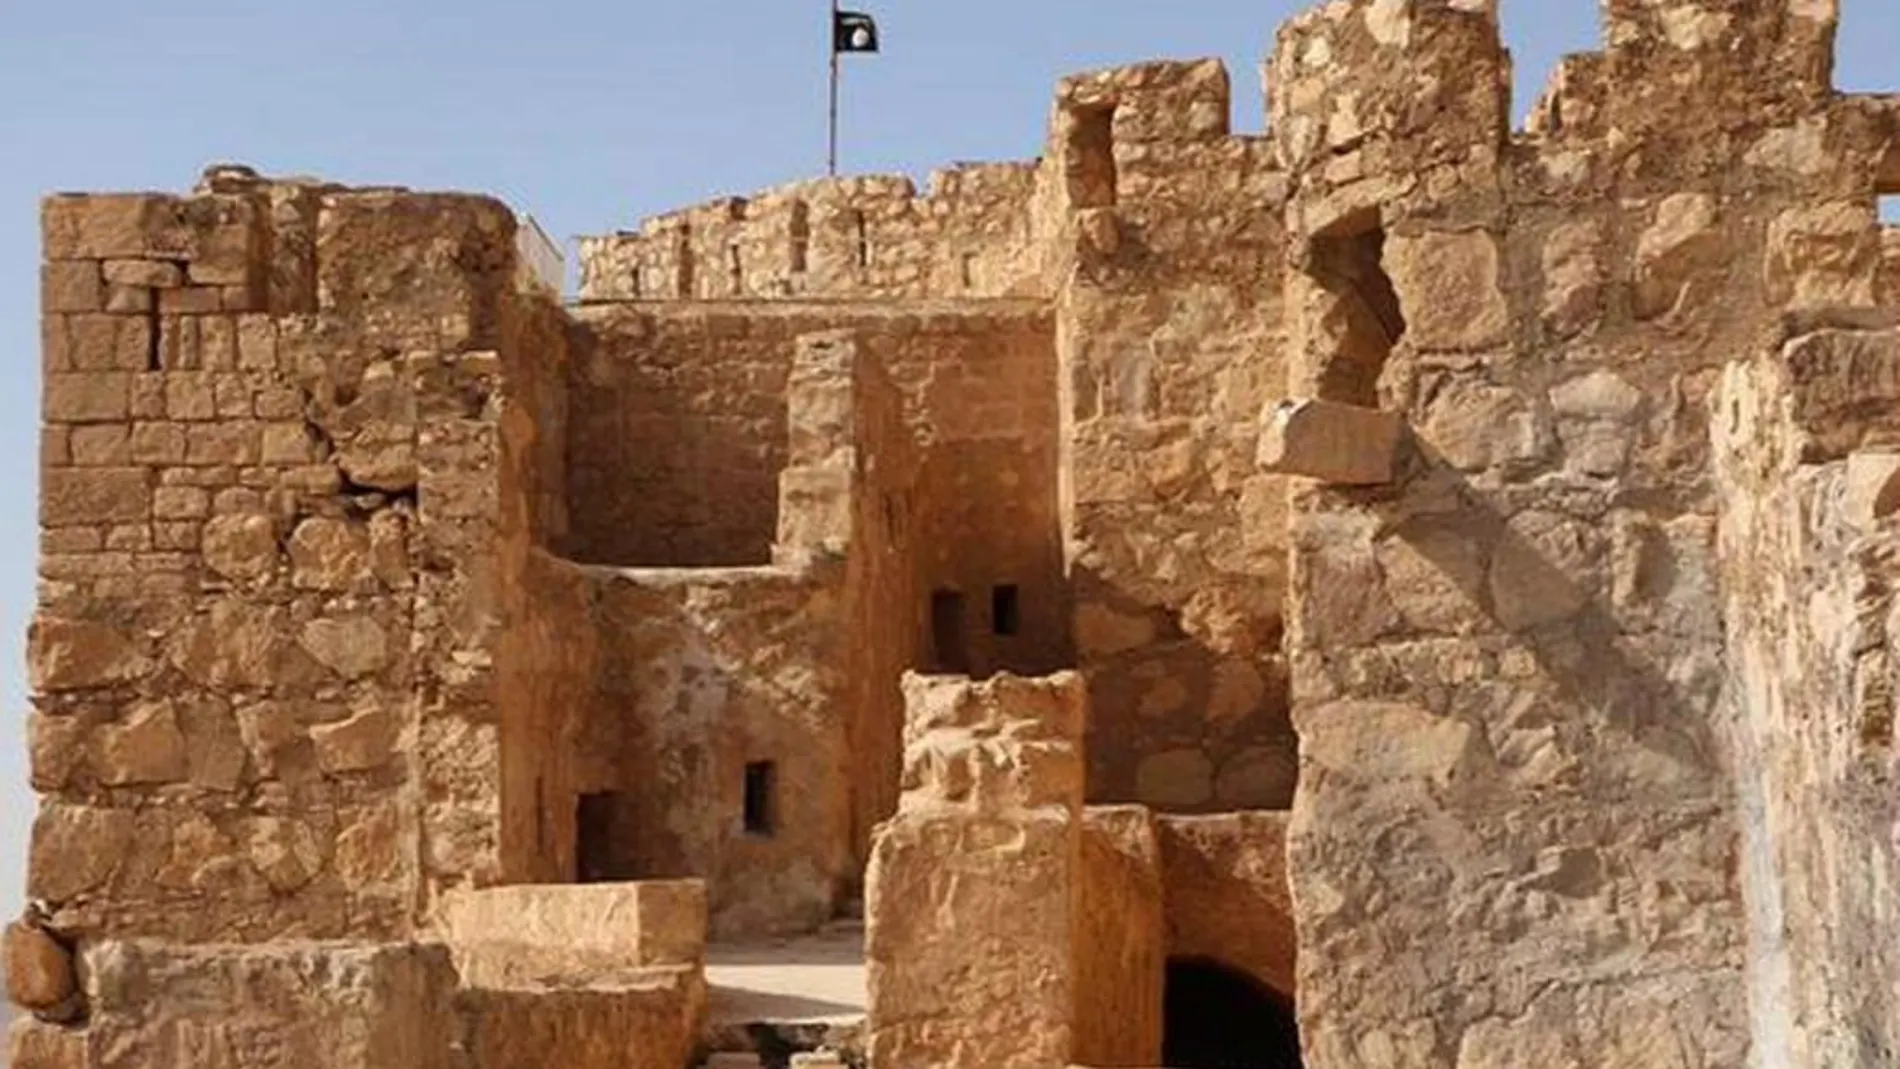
(587, 114)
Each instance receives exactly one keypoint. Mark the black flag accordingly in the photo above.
(853, 31)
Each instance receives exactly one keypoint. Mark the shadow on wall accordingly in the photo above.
(674, 458)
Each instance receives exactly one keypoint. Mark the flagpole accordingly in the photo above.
(831, 158)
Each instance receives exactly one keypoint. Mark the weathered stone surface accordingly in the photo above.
(1450, 287)
(1331, 442)
(1679, 247)
(33, 1044)
(39, 969)
(146, 746)
(575, 932)
(320, 1005)
(365, 741)
(1581, 696)
(65, 654)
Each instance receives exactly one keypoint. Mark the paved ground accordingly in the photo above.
(815, 979)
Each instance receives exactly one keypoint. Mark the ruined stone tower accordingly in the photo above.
(1417, 580)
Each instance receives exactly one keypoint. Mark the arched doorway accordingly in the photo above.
(1215, 1017)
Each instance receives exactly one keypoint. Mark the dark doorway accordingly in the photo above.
(1006, 612)
(761, 798)
(952, 655)
(596, 859)
(1219, 1018)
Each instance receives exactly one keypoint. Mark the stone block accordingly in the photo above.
(968, 942)
(1679, 248)
(66, 654)
(87, 397)
(39, 969)
(640, 1023)
(73, 496)
(145, 747)
(1450, 290)
(1001, 745)
(150, 274)
(76, 849)
(71, 286)
(574, 931)
(1823, 256)
(1331, 442)
(34, 1044)
(113, 226)
(316, 1005)
(191, 301)
(365, 741)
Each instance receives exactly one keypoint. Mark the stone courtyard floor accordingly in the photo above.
(807, 980)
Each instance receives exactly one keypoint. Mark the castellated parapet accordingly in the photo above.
(1391, 591)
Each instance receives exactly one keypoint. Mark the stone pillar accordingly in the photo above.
(969, 898)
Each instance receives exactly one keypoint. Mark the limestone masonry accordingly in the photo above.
(1390, 592)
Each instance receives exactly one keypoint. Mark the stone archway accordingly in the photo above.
(1216, 1017)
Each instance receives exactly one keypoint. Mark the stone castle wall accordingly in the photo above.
(1510, 663)
(372, 579)
(266, 606)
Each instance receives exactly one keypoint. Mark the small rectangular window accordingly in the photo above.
(1005, 610)
(761, 798)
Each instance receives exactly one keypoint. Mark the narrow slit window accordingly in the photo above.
(735, 270)
(761, 798)
(800, 236)
(1005, 610)
(864, 238)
